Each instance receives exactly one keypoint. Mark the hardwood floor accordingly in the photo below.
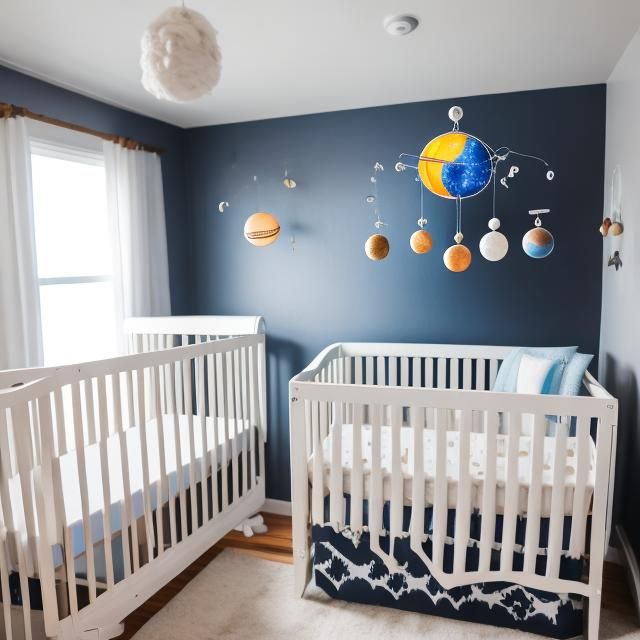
(276, 545)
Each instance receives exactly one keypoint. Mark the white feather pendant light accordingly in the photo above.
(180, 56)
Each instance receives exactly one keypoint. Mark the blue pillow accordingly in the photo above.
(508, 373)
(571, 382)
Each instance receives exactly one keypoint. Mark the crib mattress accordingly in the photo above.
(69, 471)
(476, 467)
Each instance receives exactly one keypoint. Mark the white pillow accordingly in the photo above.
(532, 374)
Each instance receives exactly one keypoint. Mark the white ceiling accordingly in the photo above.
(290, 57)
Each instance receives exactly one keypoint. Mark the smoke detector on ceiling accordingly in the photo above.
(400, 25)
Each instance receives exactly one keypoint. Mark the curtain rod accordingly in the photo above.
(11, 111)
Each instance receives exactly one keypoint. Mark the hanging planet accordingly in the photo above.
(376, 247)
(494, 246)
(421, 241)
(261, 229)
(537, 243)
(457, 258)
(464, 169)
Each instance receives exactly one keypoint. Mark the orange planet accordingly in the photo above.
(457, 258)
(421, 241)
(261, 229)
(376, 247)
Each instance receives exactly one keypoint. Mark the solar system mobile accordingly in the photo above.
(457, 165)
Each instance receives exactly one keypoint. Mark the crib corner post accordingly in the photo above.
(299, 491)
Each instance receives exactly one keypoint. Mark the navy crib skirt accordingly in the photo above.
(352, 572)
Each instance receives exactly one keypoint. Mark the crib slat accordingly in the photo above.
(253, 395)
(204, 454)
(144, 458)
(580, 505)
(532, 536)
(428, 373)
(6, 470)
(221, 383)
(103, 422)
(416, 373)
(233, 427)
(556, 523)
(440, 498)
(175, 393)
(84, 498)
(317, 491)
(61, 435)
(454, 373)
(187, 387)
(90, 410)
(369, 370)
(24, 590)
(493, 372)
(213, 416)
(488, 526)
(416, 419)
(246, 422)
(357, 488)
(404, 371)
(125, 509)
(463, 506)
(335, 491)
(70, 571)
(239, 421)
(382, 374)
(358, 379)
(397, 480)
(480, 373)
(376, 497)
(4, 584)
(162, 489)
(511, 493)
(466, 373)
(442, 373)
(393, 371)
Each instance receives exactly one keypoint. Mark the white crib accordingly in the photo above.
(117, 474)
(416, 426)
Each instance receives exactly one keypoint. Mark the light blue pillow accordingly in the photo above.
(508, 373)
(571, 382)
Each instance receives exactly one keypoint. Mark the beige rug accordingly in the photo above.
(238, 596)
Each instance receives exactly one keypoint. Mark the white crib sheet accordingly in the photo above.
(69, 470)
(476, 467)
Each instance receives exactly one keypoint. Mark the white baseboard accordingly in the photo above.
(631, 565)
(279, 507)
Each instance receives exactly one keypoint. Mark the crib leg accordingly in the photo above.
(299, 494)
(593, 615)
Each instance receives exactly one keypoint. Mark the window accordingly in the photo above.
(74, 254)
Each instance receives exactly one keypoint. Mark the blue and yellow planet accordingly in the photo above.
(537, 243)
(455, 165)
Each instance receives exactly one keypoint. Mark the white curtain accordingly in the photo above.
(20, 329)
(136, 211)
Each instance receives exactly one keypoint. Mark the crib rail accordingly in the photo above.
(116, 474)
(439, 394)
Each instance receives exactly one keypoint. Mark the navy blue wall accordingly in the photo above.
(42, 97)
(327, 290)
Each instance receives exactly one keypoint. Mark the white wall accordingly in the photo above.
(620, 326)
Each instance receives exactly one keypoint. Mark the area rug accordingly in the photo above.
(240, 596)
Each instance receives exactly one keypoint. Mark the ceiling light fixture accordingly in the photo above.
(400, 25)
